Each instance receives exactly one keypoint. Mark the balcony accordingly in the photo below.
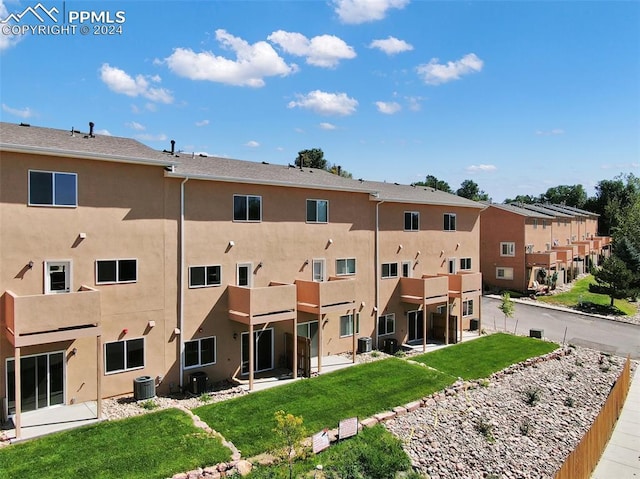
(464, 283)
(546, 259)
(323, 297)
(49, 318)
(425, 290)
(276, 302)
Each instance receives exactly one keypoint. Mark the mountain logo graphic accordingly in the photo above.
(39, 11)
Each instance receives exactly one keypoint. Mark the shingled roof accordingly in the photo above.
(514, 208)
(37, 140)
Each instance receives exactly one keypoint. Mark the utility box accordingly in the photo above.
(390, 345)
(198, 382)
(473, 324)
(144, 387)
(536, 333)
(364, 345)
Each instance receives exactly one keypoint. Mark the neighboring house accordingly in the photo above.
(524, 247)
(118, 262)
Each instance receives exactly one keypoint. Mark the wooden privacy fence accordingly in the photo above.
(584, 459)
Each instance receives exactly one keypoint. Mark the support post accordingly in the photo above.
(295, 348)
(99, 377)
(18, 389)
(251, 355)
(320, 326)
(424, 327)
(355, 336)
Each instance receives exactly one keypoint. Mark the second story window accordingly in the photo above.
(317, 211)
(345, 266)
(49, 188)
(111, 271)
(465, 263)
(507, 249)
(247, 208)
(205, 276)
(389, 270)
(449, 222)
(411, 221)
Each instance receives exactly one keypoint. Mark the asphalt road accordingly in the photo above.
(611, 337)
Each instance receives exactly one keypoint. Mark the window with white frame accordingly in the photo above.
(411, 221)
(318, 267)
(200, 352)
(205, 276)
(52, 188)
(406, 269)
(124, 355)
(535, 223)
(504, 273)
(112, 271)
(465, 264)
(507, 248)
(449, 222)
(529, 248)
(387, 324)
(346, 325)
(345, 266)
(317, 211)
(467, 307)
(544, 224)
(451, 266)
(247, 208)
(442, 309)
(389, 270)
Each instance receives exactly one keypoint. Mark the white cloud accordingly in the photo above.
(134, 125)
(327, 126)
(252, 64)
(150, 137)
(22, 113)
(554, 132)
(202, 123)
(362, 11)
(120, 81)
(434, 73)
(103, 132)
(391, 45)
(621, 166)
(388, 107)
(252, 144)
(322, 51)
(414, 103)
(325, 103)
(477, 168)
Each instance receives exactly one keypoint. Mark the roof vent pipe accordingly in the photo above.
(173, 146)
(91, 125)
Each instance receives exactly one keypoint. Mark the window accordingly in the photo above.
(200, 352)
(504, 273)
(57, 277)
(451, 268)
(389, 270)
(346, 325)
(318, 270)
(406, 269)
(529, 248)
(345, 266)
(449, 222)
(411, 221)
(205, 276)
(387, 324)
(467, 307)
(48, 188)
(544, 224)
(243, 274)
(110, 271)
(247, 208)
(317, 211)
(535, 223)
(507, 249)
(124, 355)
(465, 263)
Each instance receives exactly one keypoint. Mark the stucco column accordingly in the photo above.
(295, 348)
(18, 390)
(446, 323)
(251, 356)
(479, 314)
(99, 376)
(355, 336)
(320, 326)
(424, 327)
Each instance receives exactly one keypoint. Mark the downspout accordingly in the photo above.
(375, 269)
(181, 283)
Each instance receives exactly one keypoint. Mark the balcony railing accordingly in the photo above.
(542, 258)
(323, 297)
(425, 290)
(462, 283)
(276, 302)
(47, 318)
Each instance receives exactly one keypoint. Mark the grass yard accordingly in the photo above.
(592, 302)
(154, 445)
(484, 356)
(360, 391)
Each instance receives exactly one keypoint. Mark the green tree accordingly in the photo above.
(433, 182)
(526, 199)
(313, 158)
(613, 278)
(290, 433)
(574, 195)
(614, 201)
(337, 170)
(507, 307)
(469, 189)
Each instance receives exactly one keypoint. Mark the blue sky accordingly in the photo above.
(516, 96)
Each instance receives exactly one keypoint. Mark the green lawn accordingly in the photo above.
(154, 445)
(484, 356)
(599, 303)
(360, 391)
